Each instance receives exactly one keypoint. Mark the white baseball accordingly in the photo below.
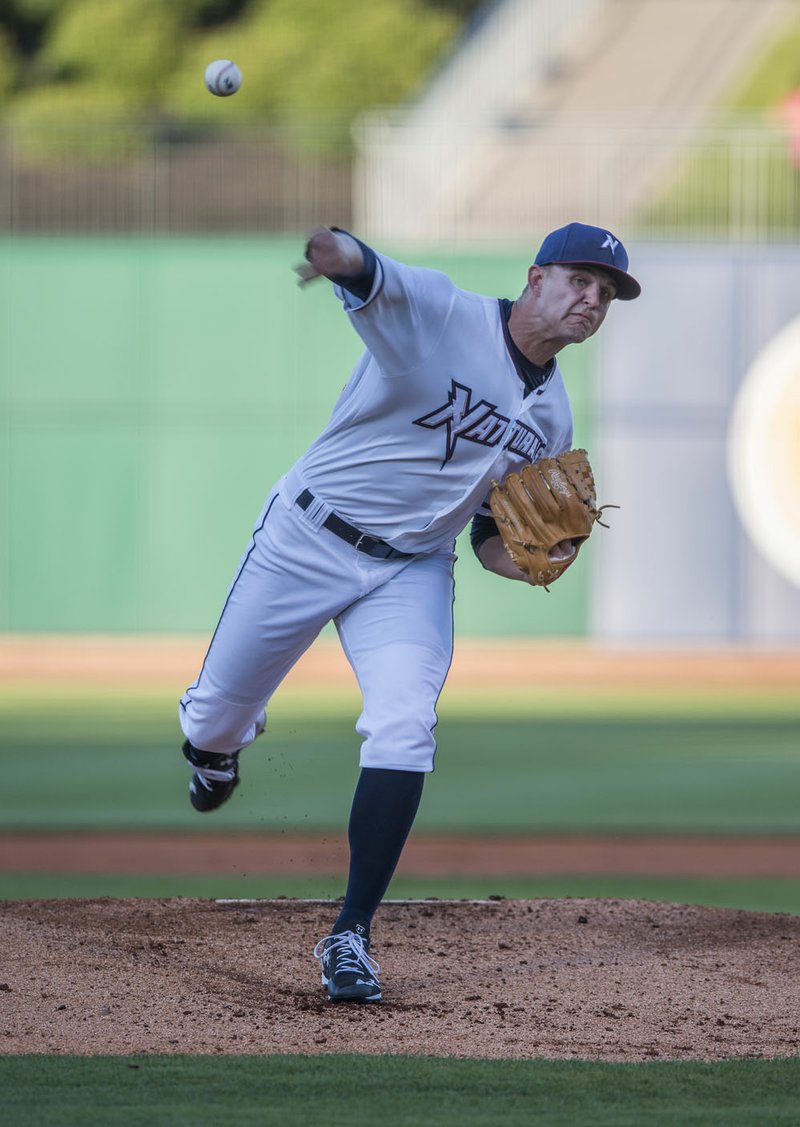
(223, 77)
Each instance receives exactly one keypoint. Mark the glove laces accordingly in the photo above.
(599, 512)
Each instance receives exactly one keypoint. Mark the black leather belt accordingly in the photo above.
(378, 549)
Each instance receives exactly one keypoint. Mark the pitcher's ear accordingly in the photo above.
(535, 277)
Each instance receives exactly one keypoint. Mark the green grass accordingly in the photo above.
(114, 763)
(394, 1091)
(773, 894)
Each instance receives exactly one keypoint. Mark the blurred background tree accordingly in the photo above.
(89, 72)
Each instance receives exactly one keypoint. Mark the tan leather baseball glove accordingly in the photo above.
(546, 502)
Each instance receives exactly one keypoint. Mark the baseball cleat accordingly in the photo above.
(348, 971)
(214, 779)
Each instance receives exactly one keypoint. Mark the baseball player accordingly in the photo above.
(453, 391)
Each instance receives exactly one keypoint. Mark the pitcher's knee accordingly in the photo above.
(222, 728)
(411, 748)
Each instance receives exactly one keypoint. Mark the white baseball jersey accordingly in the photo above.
(433, 411)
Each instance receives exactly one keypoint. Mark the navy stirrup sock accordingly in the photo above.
(384, 807)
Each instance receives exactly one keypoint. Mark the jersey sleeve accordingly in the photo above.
(404, 315)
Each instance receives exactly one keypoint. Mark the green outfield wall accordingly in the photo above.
(151, 390)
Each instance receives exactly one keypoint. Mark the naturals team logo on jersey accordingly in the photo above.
(482, 423)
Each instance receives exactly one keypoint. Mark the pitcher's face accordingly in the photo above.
(573, 300)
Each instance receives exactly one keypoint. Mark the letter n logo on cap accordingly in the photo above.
(611, 243)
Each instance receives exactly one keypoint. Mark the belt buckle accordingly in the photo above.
(362, 536)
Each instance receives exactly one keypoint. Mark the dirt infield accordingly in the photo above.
(425, 855)
(482, 663)
(610, 980)
(588, 979)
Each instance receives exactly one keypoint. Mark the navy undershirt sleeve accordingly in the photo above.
(360, 285)
(483, 527)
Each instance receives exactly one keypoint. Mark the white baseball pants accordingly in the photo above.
(394, 619)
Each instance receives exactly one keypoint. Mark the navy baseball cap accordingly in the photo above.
(580, 245)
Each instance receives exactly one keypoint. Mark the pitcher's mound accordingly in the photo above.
(592, 979)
